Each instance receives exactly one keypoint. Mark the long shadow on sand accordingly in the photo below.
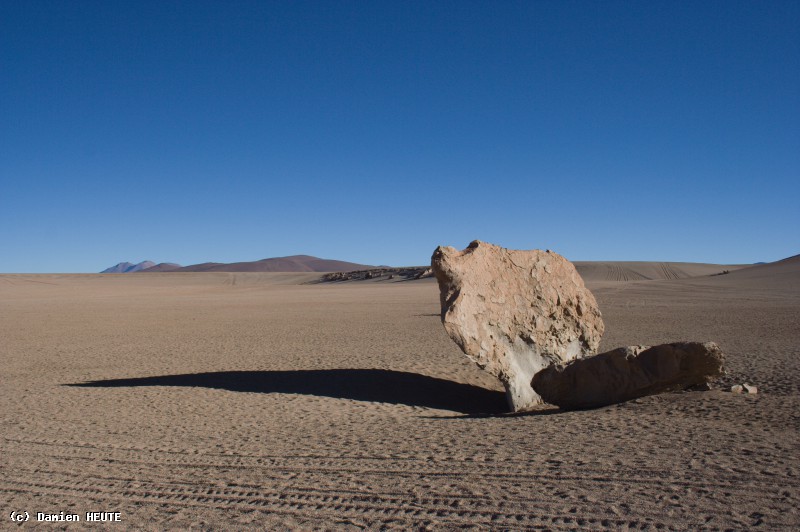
(377, 385)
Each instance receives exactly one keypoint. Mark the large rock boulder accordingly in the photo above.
(516, 312)
(627, 373)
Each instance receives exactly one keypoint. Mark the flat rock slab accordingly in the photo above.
(515, 312)
(627, 373)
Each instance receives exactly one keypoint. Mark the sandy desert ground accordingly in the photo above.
(217, 400)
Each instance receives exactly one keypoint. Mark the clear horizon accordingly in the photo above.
(134, 263)
(374, 132)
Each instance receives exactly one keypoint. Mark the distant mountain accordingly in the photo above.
(128, 267)
(162, 267)
(294, 263)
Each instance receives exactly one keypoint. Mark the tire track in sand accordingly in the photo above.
(312, 486)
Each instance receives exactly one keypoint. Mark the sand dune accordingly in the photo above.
(231, 400)
(781, 275)
(648, 271)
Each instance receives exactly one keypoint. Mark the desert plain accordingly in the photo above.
(271, 401)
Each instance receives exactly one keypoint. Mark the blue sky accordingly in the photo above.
(375, 131)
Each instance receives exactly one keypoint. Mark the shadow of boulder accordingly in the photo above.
(373, 385)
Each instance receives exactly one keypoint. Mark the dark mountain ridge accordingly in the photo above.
(129, 267)
(293, 263)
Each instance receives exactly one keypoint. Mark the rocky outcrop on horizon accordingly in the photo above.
(410, 273)
(516, 312)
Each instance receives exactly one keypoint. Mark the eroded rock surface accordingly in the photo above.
(627, 373)
(516, 312)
